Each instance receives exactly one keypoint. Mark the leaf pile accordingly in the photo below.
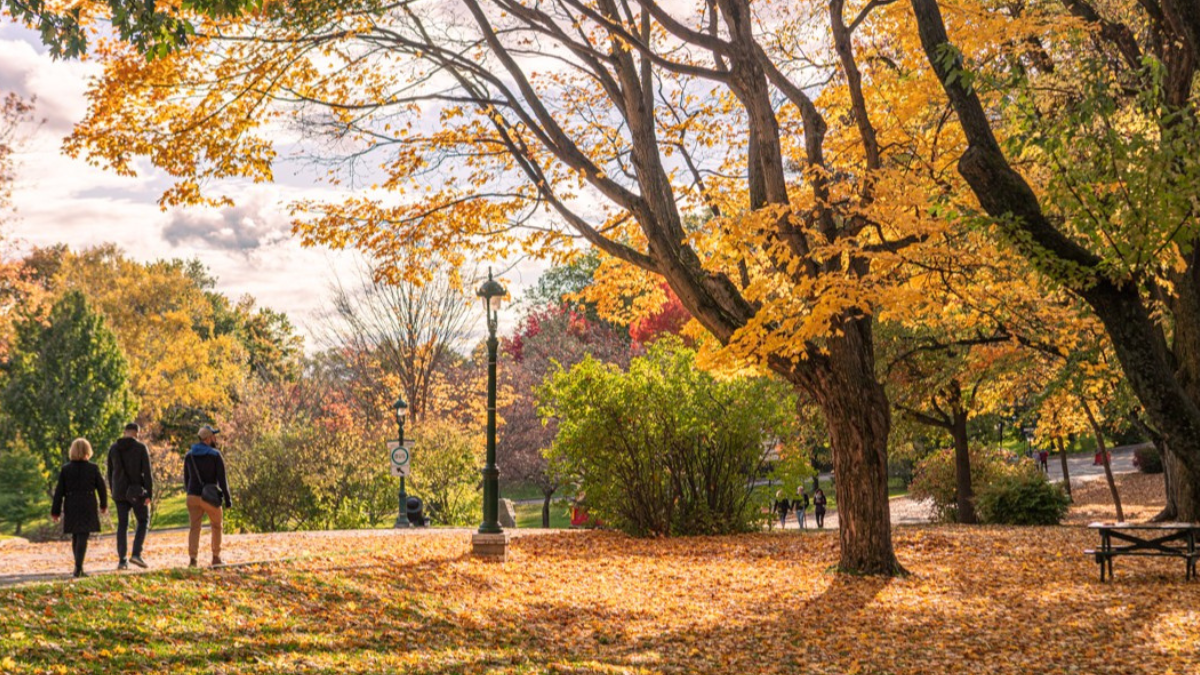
(983, 600)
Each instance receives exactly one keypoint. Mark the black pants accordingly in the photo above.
(79, 542)
(821, 518)
(142, 513)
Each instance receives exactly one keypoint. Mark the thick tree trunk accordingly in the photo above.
(858, 416)
(964, 493)
(1062, 454)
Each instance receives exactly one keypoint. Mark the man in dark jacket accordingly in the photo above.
(131, 482)
(202, 466)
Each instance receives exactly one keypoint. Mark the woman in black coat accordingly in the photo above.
(79, 483)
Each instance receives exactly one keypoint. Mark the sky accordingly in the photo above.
(248, 247)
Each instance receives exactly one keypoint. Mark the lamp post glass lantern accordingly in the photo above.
(400, 407)
(491, 291)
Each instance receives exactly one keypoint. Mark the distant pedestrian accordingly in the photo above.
(782, 506)
(818, 501)
(800, 506)
(1044, 461)
(207, 490)
(132, 485)
(79, 484)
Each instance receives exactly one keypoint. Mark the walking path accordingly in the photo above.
(23, 562)
(908, 511)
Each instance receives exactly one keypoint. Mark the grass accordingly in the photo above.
(595, 602)
(530, 515)
(171, 512)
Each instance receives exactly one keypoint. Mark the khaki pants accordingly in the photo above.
(197, 509)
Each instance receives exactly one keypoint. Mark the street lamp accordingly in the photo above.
(491, 541)
(402, 516)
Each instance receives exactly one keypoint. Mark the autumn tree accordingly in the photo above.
(1107, 146)
(547, 338)
(703, 148)
(66, 379)
(407, 330)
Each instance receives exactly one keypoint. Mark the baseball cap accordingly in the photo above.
(207, 431)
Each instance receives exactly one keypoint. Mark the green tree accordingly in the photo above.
(22, 487)
(66, 379)
(665, 448)
(445, 472)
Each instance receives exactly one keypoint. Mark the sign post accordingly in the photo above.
(400, 454)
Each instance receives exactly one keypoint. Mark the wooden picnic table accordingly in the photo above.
(1146, 539)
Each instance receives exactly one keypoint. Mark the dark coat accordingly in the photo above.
(782, 506)
(800, 503)
(819, 502)
(128, 455)
(75, 497)
(204, 460)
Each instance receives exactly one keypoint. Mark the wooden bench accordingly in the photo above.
(1176, 540)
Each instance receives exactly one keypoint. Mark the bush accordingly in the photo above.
(934, 478)
(1147, 460)
(1022, 496)
(665, 449)
(446, 460)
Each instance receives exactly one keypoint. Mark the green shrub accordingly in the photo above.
(934, 478)
(445, 472)
(1147, 460)
(1021, 496)
(665, 448)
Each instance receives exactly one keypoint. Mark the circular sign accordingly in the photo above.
(400, 456)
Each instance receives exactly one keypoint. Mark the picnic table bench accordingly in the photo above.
(1176, 540)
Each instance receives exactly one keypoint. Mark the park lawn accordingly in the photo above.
(171, 512)
(530, 516)
(979, 600)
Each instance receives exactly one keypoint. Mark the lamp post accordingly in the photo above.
(402, 516)
(491, 541)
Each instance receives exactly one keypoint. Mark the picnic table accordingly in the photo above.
(1146, 539)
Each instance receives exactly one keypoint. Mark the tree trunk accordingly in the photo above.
(857, 412)
(1108, 475)
(1169, 464)
(962, 470)
(1062, 454)
(546, 509)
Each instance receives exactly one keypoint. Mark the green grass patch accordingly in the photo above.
(171, 512)
(530, 515)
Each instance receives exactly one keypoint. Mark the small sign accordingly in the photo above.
(400, 456)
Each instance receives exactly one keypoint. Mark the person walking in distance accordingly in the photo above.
(782, 507)
(207, 490)
(132, 486)
(75, 499)
(819, 507)
(800, 506)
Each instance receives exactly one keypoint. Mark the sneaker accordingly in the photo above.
(122, 565)
(191, 562)
(217, 562)
(137, 560)
(79, 574)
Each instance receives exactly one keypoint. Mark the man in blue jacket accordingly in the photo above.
(207, 490)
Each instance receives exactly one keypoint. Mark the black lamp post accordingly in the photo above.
(491, 291)
(402, 517)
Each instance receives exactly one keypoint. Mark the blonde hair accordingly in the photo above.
(80, 450)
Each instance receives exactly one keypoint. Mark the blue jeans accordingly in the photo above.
(142, 513)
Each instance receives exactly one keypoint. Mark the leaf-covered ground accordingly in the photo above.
(981, 600)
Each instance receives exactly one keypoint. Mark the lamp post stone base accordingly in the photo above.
(493, 547)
